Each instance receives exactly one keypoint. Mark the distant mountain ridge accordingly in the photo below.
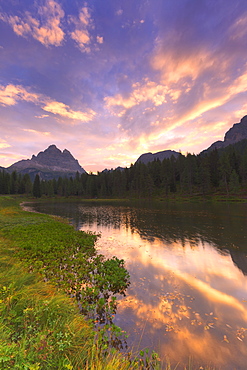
(236, 133)
(51, 163)
(149, 157)
(113, 169)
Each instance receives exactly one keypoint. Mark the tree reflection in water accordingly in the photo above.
(187, 264)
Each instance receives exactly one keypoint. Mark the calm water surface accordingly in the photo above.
(188, 267)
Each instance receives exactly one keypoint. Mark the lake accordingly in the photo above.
(188, 268)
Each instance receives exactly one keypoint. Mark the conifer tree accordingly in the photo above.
(36, 187)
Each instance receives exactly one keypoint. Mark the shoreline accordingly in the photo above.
(29, 244)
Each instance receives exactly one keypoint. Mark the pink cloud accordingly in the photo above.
(48, 32)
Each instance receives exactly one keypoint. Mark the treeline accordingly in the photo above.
(220, 171)
(15, 183)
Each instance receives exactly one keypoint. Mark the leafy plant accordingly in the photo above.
(68, 258)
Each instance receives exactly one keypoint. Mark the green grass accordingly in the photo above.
(40, 326)
(200, 198)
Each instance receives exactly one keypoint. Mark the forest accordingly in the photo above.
(222, 171)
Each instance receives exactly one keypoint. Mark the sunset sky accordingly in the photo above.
(110, 80)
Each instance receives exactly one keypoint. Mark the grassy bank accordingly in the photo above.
(241, 198)
(40, 326)
(172, 197)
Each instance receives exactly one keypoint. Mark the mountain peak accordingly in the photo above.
(50, 160)
(67, 154)
(53, 147)
(149, 157)
(236, 133)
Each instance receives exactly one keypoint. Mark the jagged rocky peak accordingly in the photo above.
(51, 150)
(54, 155)
(67, 154)
(52, 159)
(149, 157)
(49, 156)
(236, 133)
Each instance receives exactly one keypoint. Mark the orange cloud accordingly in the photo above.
(65, 111)
(84, 16)
(164, 125)
(45, 133)
(239, 29)
(175, 66)
(241, 112)
(223, 95)
(42, 116)
(82, 25)
(239, 85)
(4, 144)
(147, 91)
(20, 27)
(49, 32)
(100, 40)
(10, 94)
(211, 278)
(82, 38)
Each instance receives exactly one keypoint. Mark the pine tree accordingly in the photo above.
(36, 187)
(234, 185)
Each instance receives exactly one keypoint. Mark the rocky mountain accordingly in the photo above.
(113, 169)
(239, 258)
(52, 162)
(49, 164)
(149, 157)
(236, 133)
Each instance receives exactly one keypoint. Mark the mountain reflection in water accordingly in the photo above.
(188, 292)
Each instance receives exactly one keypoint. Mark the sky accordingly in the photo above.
(110, 80)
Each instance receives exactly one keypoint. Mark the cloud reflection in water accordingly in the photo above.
(188, 266)
(184, 300)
